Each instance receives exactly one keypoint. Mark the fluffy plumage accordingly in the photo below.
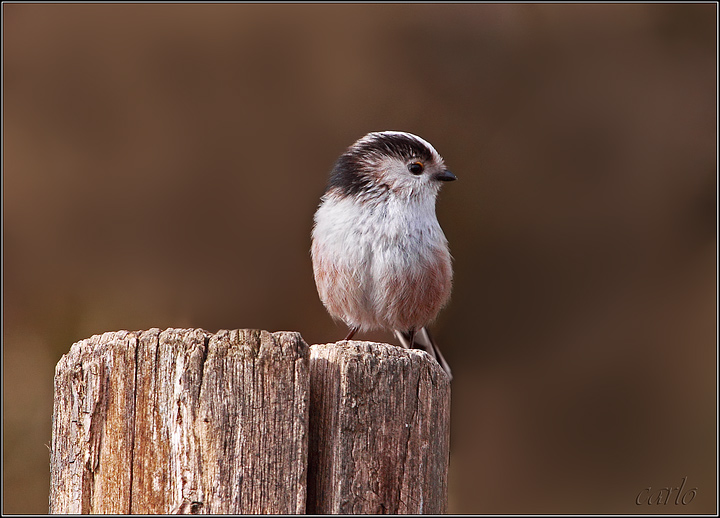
(380, 258)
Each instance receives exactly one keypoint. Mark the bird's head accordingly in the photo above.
(389, 163)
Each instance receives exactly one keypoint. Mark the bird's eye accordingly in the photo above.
(416, 168)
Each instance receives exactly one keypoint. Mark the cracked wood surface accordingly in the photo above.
(379, 430)
(244, 422)
(152, 421)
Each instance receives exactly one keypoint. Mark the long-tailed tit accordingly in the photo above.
(380, 258)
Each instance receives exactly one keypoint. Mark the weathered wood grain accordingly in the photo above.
(252, 423)
(155, 421)
(93, 425)
(246, 422)
(379, 430)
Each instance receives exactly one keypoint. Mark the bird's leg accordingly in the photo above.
(411, 338)
(352, 332)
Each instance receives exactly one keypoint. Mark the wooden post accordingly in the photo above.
(186, 421)
(379, 430)
(153, 422)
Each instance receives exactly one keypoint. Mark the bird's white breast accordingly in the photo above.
(376, 248)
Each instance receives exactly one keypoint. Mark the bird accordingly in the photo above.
(380, 259)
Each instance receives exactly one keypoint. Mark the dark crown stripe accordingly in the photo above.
(402, 146)
(346, 178)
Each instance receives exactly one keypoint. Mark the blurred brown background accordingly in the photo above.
(162, 164)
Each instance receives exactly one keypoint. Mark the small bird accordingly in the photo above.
(380, 258)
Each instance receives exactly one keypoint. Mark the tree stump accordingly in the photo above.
(246, 422)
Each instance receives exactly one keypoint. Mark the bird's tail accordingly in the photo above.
(422, 340)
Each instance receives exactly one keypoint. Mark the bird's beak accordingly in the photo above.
(445, 176)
